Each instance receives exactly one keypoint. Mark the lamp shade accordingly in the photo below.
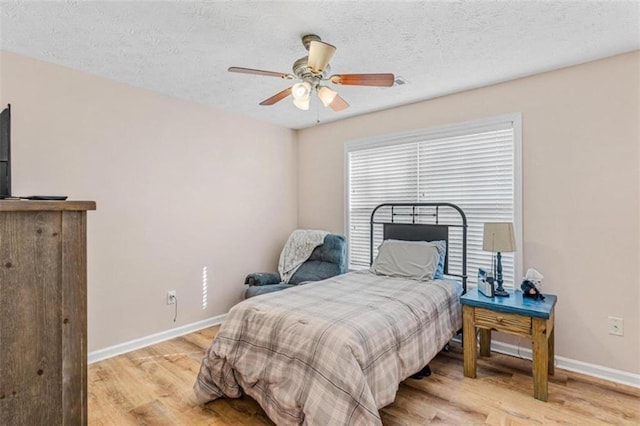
(302, 103)
(326, 95)
(301, 90)
(499, 237)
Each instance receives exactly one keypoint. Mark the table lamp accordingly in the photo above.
(499, 237)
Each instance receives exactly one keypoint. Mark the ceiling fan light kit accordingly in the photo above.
(312, 70)
(302, 103)
(326, 95)
(301, 90)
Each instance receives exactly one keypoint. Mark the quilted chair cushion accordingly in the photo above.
(257, 290)
(326, 260)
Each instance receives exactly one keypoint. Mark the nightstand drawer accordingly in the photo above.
(501, 321)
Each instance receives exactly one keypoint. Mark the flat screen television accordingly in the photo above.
(5, 152)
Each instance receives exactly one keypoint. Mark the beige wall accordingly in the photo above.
(179, 186)
(581, 190)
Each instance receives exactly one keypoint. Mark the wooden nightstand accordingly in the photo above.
(525, 317)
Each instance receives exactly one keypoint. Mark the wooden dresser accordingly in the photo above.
(43, 319)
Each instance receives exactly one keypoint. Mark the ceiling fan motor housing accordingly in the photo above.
(307, 39)
(302, 70)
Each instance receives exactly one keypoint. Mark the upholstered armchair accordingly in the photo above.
(327, 260)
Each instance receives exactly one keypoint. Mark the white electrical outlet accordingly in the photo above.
(616, 326)
(171, 297)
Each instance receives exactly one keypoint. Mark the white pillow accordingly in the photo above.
(417, 260)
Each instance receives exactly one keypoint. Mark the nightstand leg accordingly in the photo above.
(540, 359)
(485, 342)
(470, 341)
(552, 355)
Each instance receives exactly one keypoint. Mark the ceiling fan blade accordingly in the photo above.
(277, 97)
(384, 80)
(339, 103)
(259, 72)
(320, 53)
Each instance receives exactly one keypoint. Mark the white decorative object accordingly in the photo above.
(535, 277)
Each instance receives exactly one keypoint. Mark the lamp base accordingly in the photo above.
(500, 293)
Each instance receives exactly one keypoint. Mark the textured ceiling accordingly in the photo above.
(183, 49)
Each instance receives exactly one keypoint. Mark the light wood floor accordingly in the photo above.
(152, 386)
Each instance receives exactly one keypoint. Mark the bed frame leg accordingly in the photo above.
(425, 372)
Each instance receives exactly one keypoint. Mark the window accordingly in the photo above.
(474, 165)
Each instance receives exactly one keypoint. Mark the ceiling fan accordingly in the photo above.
(313, 71)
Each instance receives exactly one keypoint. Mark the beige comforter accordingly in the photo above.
(331, 352)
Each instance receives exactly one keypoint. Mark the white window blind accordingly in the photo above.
(473, 167)
(379, 175)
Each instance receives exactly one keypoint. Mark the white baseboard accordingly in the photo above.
(152, 339)
(601, 372)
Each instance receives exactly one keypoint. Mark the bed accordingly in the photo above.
(334, 351)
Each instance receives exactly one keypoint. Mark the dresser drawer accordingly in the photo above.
(501, 321)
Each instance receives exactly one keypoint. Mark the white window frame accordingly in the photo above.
(474, 126)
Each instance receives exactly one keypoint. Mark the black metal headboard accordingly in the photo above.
(413, 231)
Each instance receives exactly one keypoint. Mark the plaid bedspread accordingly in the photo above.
(331, 352)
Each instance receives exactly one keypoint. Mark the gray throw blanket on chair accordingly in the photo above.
(297, 250)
